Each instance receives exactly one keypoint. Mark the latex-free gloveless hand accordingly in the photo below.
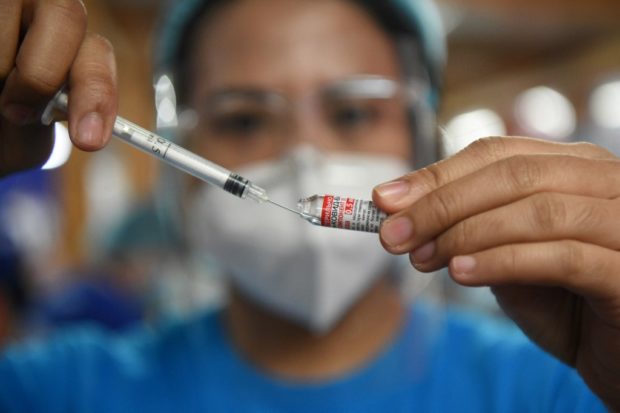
(539, 222)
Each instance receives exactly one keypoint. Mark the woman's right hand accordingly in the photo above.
(45, 46)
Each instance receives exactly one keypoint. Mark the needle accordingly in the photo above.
(284, 207)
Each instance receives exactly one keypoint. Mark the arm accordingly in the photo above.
(536, 221)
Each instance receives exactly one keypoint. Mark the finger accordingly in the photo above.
(10, 16)
(393, 198)
(44, 57)
(585, 269)
(499, 184)
(93, 94)
(538, 218)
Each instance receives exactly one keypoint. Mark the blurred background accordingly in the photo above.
(541, 68)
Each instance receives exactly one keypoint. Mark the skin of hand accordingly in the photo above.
(45, 46)
(538, 223)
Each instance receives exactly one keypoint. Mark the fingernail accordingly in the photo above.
(463, 265)
(424, 253)
(19, 114)
(90, 129)
(397, 231)
(393, 191)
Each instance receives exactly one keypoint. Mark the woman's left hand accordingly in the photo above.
(537, 221)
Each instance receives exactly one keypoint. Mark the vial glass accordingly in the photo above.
(341, 212)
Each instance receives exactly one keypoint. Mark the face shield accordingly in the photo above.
(348, 105)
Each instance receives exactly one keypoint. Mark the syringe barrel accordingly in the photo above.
(342, 212)
(170, 153)
(188, 161)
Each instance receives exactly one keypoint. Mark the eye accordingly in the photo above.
(352, 115)
(245, 123)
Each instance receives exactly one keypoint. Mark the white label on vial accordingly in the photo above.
(350, 213)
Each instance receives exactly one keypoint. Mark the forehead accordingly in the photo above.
(290, 45)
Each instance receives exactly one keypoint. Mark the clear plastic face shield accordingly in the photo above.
(246, 125)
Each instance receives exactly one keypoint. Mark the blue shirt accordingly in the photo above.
(439, 362)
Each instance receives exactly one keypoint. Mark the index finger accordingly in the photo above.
(405, 191)
(53, 37)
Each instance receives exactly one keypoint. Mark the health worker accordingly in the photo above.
(329, 96)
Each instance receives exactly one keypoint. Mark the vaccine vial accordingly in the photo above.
(341, 212)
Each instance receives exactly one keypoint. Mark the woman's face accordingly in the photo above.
(267, 75)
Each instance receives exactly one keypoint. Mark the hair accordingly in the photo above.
(383, 13)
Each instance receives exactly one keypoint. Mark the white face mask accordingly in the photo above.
(308, 274)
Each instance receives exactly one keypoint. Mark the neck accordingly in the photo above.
(288, 350)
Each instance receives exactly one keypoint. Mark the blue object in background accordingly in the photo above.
(94, 301)
(34, 181)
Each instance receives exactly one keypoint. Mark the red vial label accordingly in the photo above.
(350, 213)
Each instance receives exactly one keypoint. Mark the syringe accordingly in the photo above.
(172, 154)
